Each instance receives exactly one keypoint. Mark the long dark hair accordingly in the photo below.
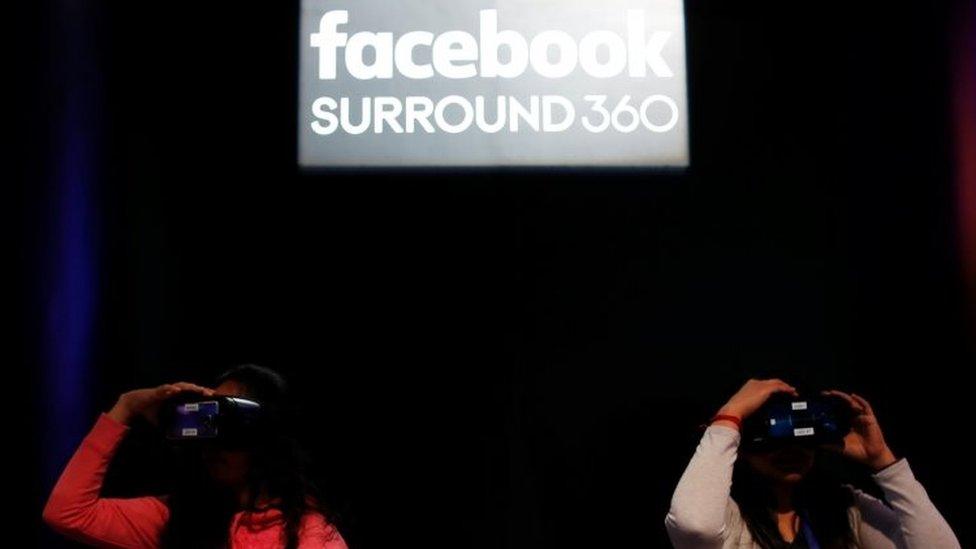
(820, 495)
(201, 511)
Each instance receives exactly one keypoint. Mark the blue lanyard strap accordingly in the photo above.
(811, 539)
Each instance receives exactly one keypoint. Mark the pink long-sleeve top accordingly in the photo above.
(76, 509)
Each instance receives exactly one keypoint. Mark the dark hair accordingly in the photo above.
(201, 511)
(820, 495)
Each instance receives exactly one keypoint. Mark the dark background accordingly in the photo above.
(508, 358)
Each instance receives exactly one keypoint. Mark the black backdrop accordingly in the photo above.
(519, 358)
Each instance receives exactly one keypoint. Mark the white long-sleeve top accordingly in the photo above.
(704, 516)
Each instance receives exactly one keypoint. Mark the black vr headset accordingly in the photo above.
(785, 420)
(224, 420)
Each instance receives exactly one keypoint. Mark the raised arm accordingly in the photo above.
(75, 507)
(700, 505)
(910, 519)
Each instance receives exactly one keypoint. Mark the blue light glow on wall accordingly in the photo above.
(71, 262)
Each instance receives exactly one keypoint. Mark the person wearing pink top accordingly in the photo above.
(250, 498)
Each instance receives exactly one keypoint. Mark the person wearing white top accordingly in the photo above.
(778, 499)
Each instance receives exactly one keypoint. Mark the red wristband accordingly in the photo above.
(725, 417)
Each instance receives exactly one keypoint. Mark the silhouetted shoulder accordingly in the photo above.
(317, 533)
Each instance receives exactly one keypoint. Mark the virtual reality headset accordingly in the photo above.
(785, 420)
(224, 420)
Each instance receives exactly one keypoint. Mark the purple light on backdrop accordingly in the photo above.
(965, 114)
(71, 265)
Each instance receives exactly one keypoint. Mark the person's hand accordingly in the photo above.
(751, 397)
(145, 402)
(865, 443)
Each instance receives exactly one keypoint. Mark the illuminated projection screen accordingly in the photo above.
(426, 83)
